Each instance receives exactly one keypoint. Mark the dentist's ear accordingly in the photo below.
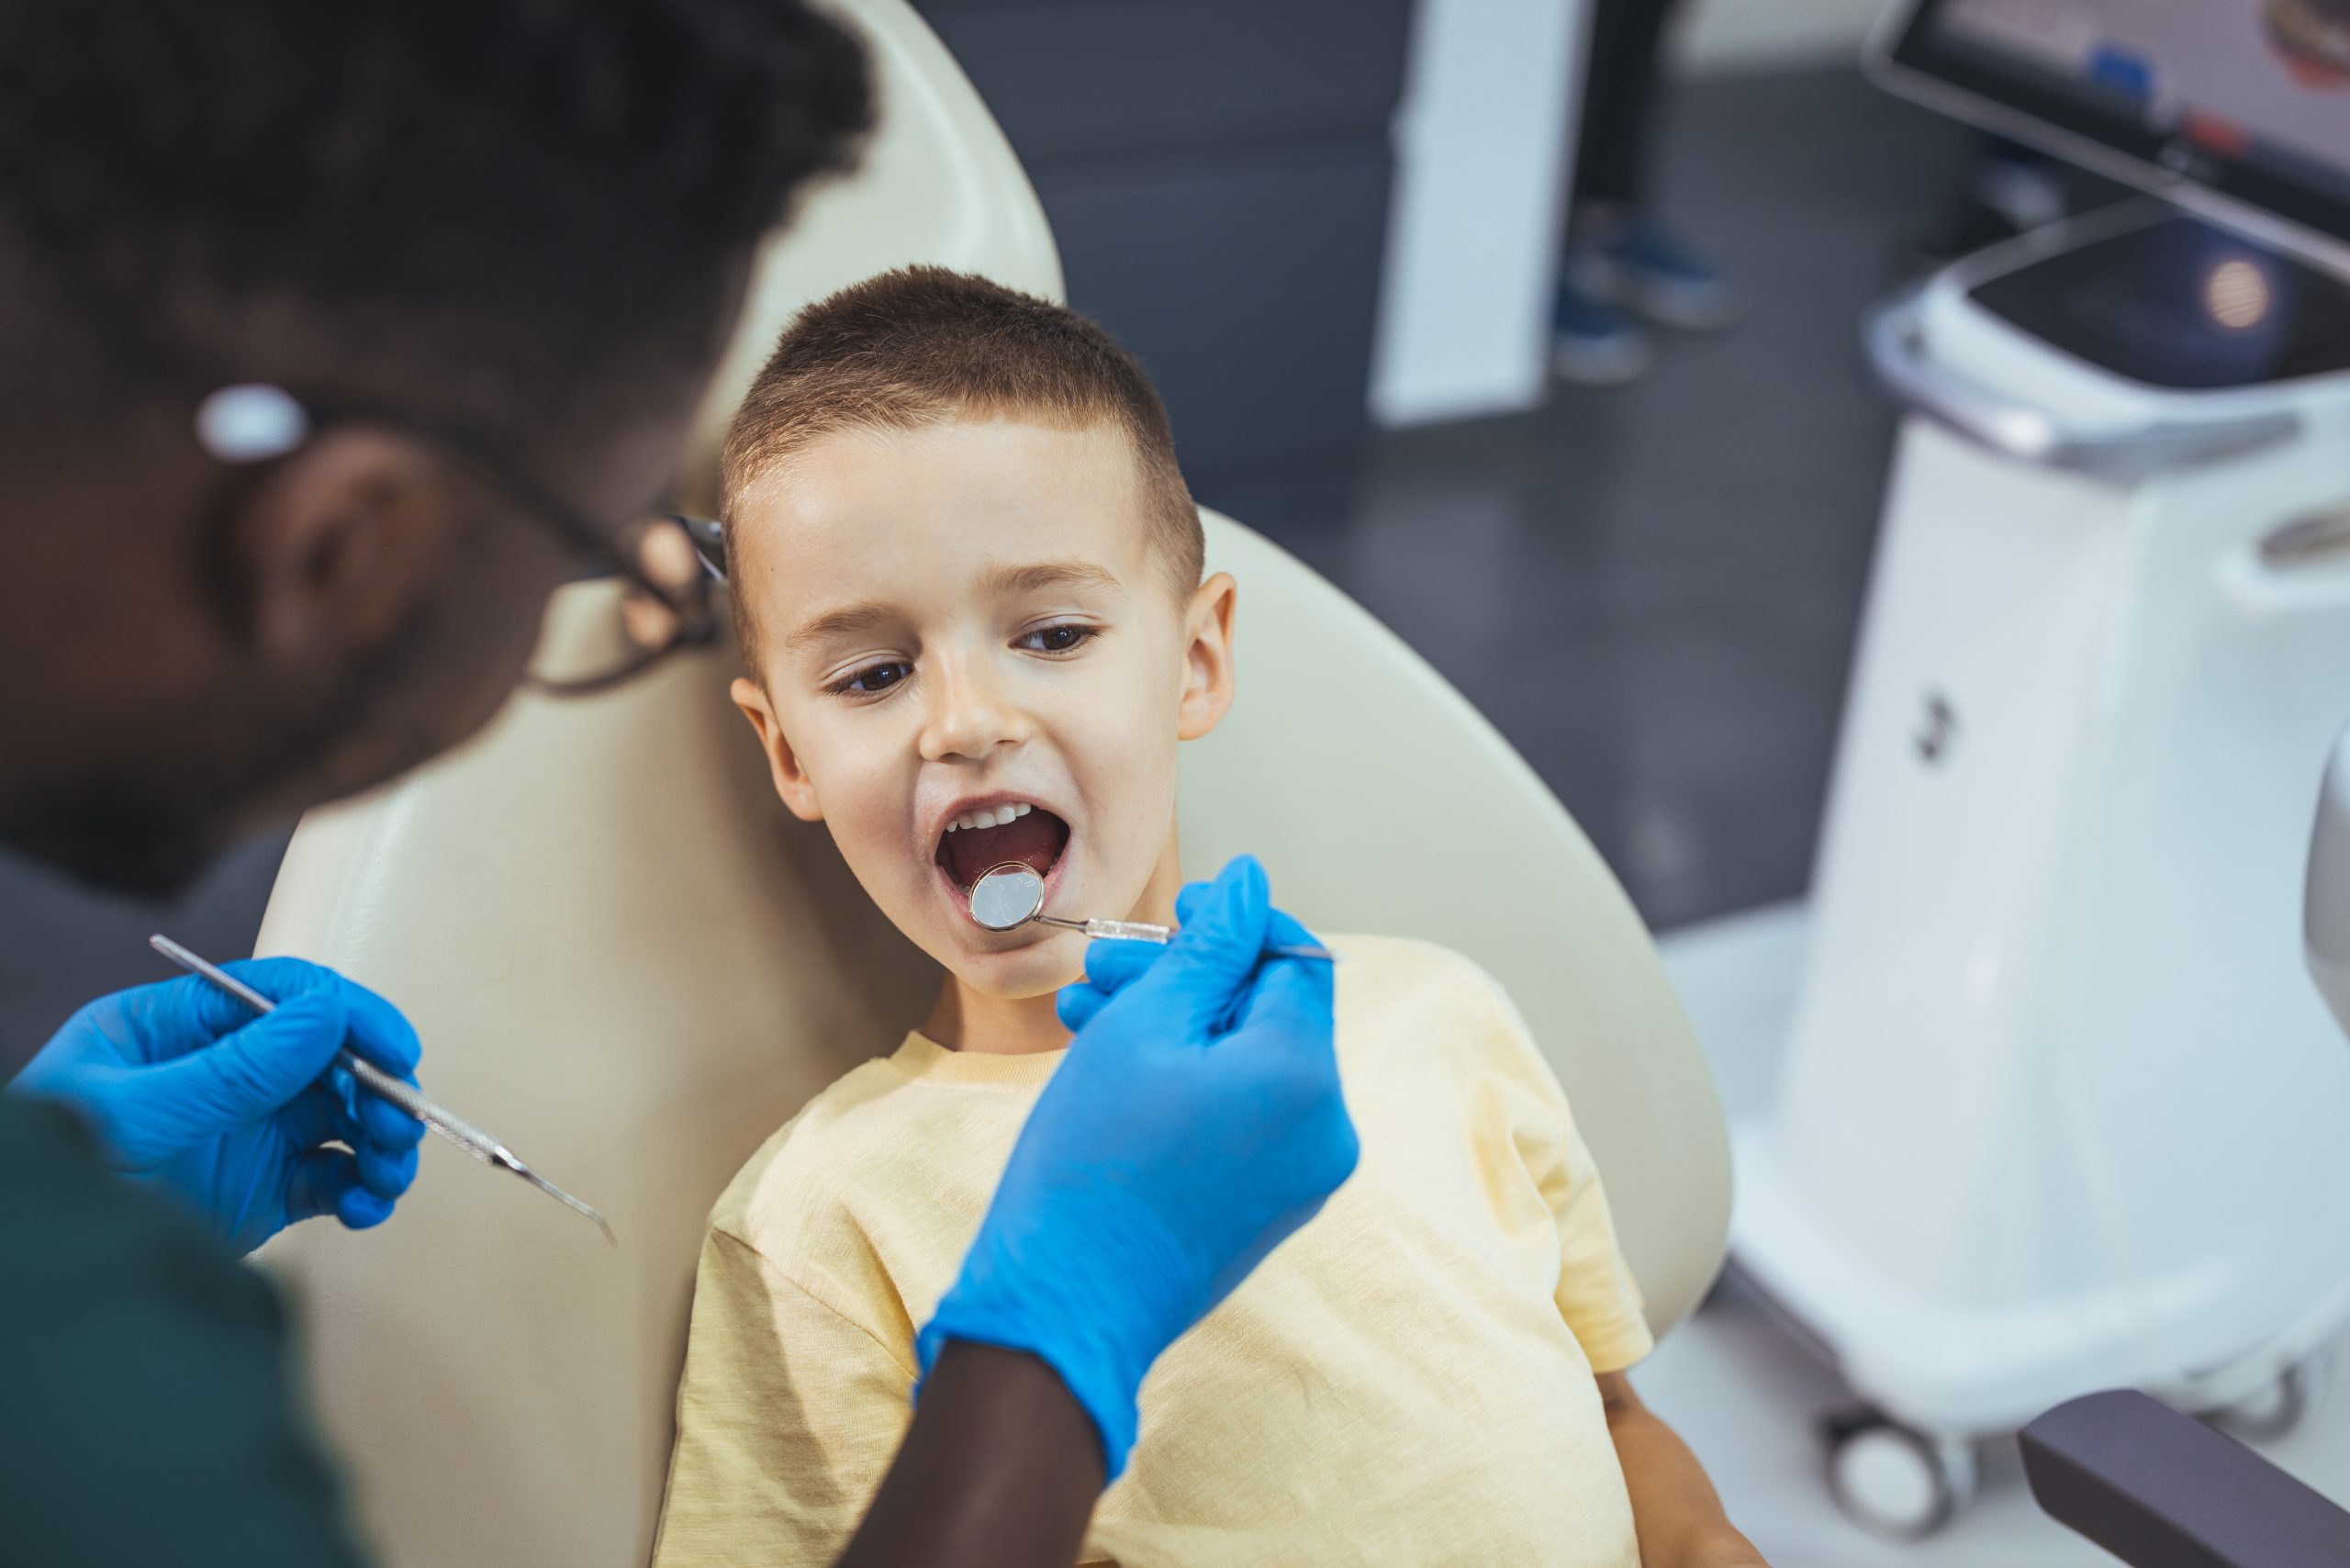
(791, 781)
(1207, 657)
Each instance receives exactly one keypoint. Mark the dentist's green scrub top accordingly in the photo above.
(148, 1417)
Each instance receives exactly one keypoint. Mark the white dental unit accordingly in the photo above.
(2061, 1109)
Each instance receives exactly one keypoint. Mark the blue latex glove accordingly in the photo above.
(1112, 966)
(1195, 1123)
(188, 1091)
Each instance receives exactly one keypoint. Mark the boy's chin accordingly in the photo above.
(1038, 968)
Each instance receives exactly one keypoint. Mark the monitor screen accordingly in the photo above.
(2248, 100)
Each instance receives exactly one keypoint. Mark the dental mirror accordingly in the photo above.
(1009, 896)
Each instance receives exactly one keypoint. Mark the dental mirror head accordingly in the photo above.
(1009, 896)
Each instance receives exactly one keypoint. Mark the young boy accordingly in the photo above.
(967, 579)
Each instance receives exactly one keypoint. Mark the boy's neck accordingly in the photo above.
(968, 1020)
(964, 1019)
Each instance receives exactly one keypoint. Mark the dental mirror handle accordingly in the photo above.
(1146, 931)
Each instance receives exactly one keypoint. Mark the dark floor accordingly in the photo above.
(1653, 591)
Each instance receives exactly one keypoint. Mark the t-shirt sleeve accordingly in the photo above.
(151, 1414)
(787, 1417)
(1596, 1293)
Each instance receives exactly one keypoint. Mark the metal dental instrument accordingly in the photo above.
(1012, 894)
(377, 1081)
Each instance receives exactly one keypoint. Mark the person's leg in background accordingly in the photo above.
(1618, 258)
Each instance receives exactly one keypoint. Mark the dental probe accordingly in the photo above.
(1013, 895)
(377, 1081)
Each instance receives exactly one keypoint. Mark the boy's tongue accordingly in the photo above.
(972, 852)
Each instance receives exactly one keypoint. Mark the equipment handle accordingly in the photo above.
(2153, 1486)
(1896, 348)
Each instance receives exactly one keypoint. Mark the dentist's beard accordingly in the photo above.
(152, 832)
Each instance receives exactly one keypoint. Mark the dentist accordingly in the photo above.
(333, 340)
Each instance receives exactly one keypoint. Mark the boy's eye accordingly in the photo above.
(1059, 638)
(872, 679)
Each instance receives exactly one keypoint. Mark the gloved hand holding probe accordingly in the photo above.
(1196, 1123)
(186, 1090)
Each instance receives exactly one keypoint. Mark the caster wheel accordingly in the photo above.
(2275, 1410)
(1896, 1483)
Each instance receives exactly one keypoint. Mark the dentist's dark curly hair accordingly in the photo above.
(515, 204)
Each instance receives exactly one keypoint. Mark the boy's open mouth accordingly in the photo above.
(977, 841)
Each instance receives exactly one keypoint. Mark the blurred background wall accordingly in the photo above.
(1751, 35)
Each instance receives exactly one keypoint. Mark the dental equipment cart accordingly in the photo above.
(2060, 1111)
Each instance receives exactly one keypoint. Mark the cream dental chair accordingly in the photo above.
(627, 961)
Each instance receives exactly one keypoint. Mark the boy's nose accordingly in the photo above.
(968, 716)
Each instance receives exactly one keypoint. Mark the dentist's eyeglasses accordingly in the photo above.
(665, 603)
(667, 564)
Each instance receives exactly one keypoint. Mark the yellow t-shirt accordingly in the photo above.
(1406, 1380)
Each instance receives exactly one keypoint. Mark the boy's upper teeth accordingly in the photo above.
(987, 817)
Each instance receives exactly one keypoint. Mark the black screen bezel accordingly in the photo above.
(2162, 157)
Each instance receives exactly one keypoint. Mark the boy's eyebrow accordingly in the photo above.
(1043, 574)
(847, 620)
(1035, 578)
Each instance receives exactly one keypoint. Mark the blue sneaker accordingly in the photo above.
(1593, 343)
(1643, 268)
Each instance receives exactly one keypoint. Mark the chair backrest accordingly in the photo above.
(631, 964)
(938, 184)
(1340, 733)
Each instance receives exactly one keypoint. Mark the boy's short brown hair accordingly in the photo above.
(920, 345)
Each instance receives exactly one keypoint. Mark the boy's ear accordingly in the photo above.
(1207, 657)
(791, 781)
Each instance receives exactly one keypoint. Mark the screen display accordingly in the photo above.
(2250, 97)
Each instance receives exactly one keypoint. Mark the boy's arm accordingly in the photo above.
(1675, 1508)
(1000, 1469)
